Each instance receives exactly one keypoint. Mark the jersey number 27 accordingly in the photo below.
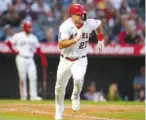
(83, 45)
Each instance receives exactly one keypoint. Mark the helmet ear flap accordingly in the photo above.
(84, 17)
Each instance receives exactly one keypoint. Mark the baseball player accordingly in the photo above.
(74, 36)
(26, 44)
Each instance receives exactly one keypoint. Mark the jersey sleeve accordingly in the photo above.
(94, 23)
(37, 44)
(13, 39)
(63, 33)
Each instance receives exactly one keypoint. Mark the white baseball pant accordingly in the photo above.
(66, 69)
(26, 66)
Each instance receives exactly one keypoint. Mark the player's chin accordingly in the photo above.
(81, 21)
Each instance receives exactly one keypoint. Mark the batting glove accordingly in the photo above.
(100, 46)
(79, 35)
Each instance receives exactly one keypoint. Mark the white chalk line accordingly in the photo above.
(51, 113)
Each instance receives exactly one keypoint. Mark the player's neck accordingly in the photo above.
(27, 33)
(78, 25)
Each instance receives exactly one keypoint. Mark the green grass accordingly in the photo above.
(69, 102)
(126, 115)
(8, 116)
(26, 102)
(130, 115)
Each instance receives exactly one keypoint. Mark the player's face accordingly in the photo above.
(78, 19)
(28, 29)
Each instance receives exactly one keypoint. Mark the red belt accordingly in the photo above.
(72, 59)
(26, 57)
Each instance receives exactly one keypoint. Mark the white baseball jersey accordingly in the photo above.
(25, 44)
(68, 30)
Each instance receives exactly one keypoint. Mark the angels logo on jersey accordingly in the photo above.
(84, 35)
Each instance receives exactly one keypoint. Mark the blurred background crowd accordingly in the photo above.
(122, 20)
(113, 93)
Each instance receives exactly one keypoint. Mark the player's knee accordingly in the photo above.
(21, 82)
(78, 81)
(22, 77)
(33, 77)
(78, 78)
(59, 90)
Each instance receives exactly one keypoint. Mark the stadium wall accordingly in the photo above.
(104, 70)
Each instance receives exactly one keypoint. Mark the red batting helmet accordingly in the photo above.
(76, 9)
(27, 25)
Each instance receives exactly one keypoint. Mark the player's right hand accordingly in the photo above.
(44, 64)
(79, 35)
(14, 52)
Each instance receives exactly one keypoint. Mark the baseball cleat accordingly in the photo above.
(58, 113)
(23, 98)
(58, 117)
(36, 98)
(75, 105)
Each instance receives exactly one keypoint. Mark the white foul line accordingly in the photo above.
(51, 113)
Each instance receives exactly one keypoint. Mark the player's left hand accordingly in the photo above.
(100, 46)
(78, 36)
(44, 64)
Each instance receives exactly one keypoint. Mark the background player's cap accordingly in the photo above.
(7, 26)
(76, 9)
(26, 26)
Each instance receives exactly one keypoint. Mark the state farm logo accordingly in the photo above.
(50, 48)
(142, 51)
(4, 48)
(117, 49)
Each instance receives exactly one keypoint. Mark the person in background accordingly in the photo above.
(25, 45)
(139, 84)
(141, 95)
(19, 5)
(113, 93)
(12, 17)
(49, 35)
(5, 4)
(92, 94)
(40, 6)
(8, 32)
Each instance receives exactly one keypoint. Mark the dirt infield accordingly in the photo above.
(87, 112)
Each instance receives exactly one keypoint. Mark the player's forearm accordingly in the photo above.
(42, 56)
(99, 30)
(99, 33)
(66, 43)
(9, 44)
